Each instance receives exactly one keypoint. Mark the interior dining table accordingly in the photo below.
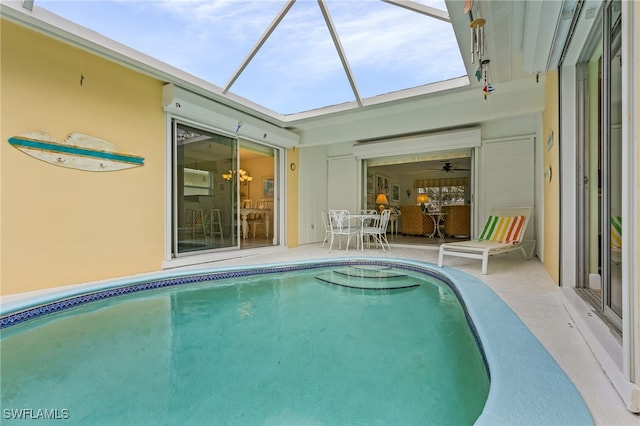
(244, 212)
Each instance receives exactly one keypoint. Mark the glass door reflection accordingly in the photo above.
(203, 211)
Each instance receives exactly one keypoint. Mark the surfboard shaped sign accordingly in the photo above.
(77, 151)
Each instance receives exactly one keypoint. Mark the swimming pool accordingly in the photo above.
(513, 395)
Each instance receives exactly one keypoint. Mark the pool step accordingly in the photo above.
(359, 272)
(368, 278)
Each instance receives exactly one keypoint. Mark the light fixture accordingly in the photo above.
(244, 176)
(381, 200)
(422, 199)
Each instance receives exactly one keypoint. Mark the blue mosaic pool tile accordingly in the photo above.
(62, 305)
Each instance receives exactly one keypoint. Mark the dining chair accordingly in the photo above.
(378, 231)
(341, 225)
(257, 219)
(368, 222)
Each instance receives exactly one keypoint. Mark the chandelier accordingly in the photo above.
(244, 177)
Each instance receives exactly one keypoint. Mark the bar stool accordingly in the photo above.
(216, 225)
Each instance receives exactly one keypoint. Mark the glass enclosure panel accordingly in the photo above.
(203, 214)
(614, 291)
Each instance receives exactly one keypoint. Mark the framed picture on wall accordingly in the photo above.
(395, 193)
(267, 187)
(382, 184)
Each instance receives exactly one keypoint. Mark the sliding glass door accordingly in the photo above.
(203, 203)
(600, 76)
(258, 195)
(224, 192)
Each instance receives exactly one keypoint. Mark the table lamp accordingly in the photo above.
(381, 200)
(423, 199)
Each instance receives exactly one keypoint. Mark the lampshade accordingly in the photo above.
(423, 198)
(382, 199)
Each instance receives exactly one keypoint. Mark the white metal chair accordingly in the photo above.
(341, 225)
(327, 227)
(378, 230)
(503, 232)
(368, 221)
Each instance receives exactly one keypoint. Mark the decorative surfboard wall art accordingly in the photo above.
(77, 151)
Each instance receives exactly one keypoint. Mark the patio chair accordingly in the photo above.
(502, 233)
(327, 227)
(378, 231)
(340, 224)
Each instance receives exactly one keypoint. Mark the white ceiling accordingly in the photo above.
(426, 169)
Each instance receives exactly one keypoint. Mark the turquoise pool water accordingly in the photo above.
(347, 344)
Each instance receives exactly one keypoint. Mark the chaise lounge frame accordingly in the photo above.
(482, 249)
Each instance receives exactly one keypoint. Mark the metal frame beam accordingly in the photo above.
(270, 29)
(341, 53)
(442, 15)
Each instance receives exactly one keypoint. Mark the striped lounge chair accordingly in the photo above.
(616, 238)
(503, 232)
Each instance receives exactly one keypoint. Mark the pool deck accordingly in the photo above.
(523, 285)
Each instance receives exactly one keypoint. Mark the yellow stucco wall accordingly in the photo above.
(61, 226)
(551, 159)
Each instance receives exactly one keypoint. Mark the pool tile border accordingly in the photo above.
(64, 304)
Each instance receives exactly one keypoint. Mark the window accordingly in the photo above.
(440, 196)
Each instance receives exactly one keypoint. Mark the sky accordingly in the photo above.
(298, 69)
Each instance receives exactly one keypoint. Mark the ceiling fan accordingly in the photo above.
(448, 168)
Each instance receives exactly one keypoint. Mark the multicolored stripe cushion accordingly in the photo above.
(616, 232)
(505, 229)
